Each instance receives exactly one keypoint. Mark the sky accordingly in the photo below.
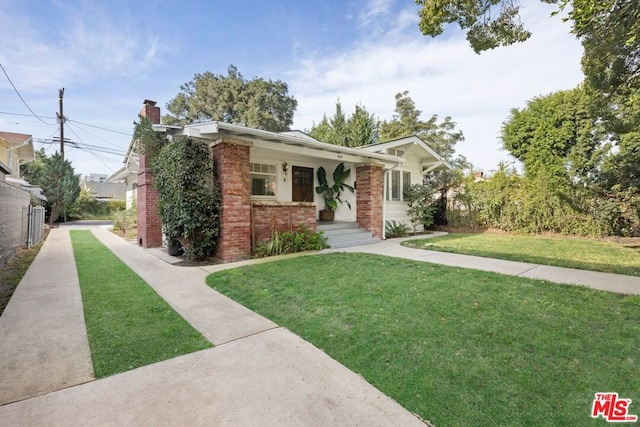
(110, 56)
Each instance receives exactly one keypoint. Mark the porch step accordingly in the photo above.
(345, 234)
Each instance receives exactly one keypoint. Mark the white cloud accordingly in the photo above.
(443, 76)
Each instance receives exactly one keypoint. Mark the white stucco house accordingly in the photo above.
(268, 180)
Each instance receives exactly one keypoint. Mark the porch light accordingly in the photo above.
(285, 168)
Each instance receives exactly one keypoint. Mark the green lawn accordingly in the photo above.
(458, 347)
(128, 324)
(584, 254)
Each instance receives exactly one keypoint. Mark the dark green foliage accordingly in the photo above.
(148, 141)
(258, 103)
(299, 240)
(361, 128)
(395, 229)
(331, 193)
(406, 121)
(59, 184)
(420, 200)
(189, 200)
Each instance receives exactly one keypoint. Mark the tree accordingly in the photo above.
(361, 128)
(556, 135)
(258, 103)
(609, 31)
(406, 122)
(59, 184)
(34, 171)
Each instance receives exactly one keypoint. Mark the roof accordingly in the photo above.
(431, 159)
(23, 144)
(106, 190)
(295, 140)
(35, 190)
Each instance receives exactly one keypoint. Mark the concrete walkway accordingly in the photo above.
(596, 280)
(258, 373)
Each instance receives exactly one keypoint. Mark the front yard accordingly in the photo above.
(571, 252)
(458, 347)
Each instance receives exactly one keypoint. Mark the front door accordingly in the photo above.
(302, 184)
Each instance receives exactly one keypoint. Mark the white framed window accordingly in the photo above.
(395, 152)
(264, 179)
(399, 184)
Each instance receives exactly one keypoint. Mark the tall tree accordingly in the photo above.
(360, 128)
(406, 121)
(258, 103)
(33, 171)
(60, 184)
(555, 134)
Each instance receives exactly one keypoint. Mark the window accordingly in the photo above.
(406, 184)
(395, 152)
(400, 180)
(263, 179)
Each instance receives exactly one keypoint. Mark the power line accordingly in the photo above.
(26, 115)
(97, 137)
(101, 128)
(21, 98)
(96, 156)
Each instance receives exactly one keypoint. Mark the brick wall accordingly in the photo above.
(13, 217)
(149, 226)
(369, 199)
(268, 217)
(232, 169)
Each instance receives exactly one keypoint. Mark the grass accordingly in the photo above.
(128, 324)
(13, 271)
(458, 347)
(583, 254)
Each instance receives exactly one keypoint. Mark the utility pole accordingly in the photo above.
(61, 119)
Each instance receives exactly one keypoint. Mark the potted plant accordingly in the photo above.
(331, 193)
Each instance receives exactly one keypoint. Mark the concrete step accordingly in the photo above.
(345, 234)
(336, 225)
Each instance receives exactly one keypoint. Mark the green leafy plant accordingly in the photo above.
(331, 193)
(299, 240)
(189, 198)
(421, 206)
(396, 229)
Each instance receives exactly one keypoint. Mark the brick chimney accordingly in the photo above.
(149, 225)
(150, 110)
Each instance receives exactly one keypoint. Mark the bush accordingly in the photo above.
(421, 206)
(125, 222)
(189, 198)
(396, 229)
(299, 240)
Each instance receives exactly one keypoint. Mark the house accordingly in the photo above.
(104, 191)
(128, 175)
(15, 149)
(267, 181)
(18, 223)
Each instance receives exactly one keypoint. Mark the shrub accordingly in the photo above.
(125, 222)
(189, 198)
(421, 206)
(396, 229)
(299, 240)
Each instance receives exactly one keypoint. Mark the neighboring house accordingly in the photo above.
(98, 186)
(128, 175)
(18, 223)
(15, 149)
(267, 181)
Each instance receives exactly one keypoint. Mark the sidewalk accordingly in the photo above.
(592, 279)
(258, 373)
